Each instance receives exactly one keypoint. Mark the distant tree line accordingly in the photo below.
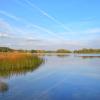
(84, 50)
(63, 51)
(87, 51)
(5, 49)
(48, 51)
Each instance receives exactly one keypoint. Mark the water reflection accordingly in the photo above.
(68, 78)
(85, 57)
(3, 87)
(63, 55)
(8, 71)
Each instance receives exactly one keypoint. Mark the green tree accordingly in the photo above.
(5, 49)
(63, 51)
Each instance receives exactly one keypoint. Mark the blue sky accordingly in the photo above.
(50, 24)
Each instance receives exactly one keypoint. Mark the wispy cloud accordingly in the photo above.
(4, 26)
(93, 30)
(3, 35)
(49, 32)
(27, 36)
(5, 29)
(24, 40)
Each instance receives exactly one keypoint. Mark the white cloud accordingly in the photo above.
(4, 26)
(34, 36)
(3, 35)
(19, 30)
(93, 31)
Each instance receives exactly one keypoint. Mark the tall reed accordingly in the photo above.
(18, 63)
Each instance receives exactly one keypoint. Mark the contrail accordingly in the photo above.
(60, 36)
(48, 15)
(9, 15)
(50, 88)
(31, 24)
(48, 31)
(44, 76)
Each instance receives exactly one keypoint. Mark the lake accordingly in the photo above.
(60, 77)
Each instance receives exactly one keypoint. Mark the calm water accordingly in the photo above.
(70, 77)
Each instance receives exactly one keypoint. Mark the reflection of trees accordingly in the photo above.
(18, 68)
(85, 57)
(3, 87)
(62, 55)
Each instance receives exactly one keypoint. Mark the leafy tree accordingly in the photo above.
(5, 49)
(33, 51)
(84, 50)
(63, 51)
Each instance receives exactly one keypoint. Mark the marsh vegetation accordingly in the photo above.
(18, 63)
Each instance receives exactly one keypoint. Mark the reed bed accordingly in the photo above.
(18, 63)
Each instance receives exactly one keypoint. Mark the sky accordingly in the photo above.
(50, 24)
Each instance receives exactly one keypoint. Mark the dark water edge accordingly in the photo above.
(64, 77)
